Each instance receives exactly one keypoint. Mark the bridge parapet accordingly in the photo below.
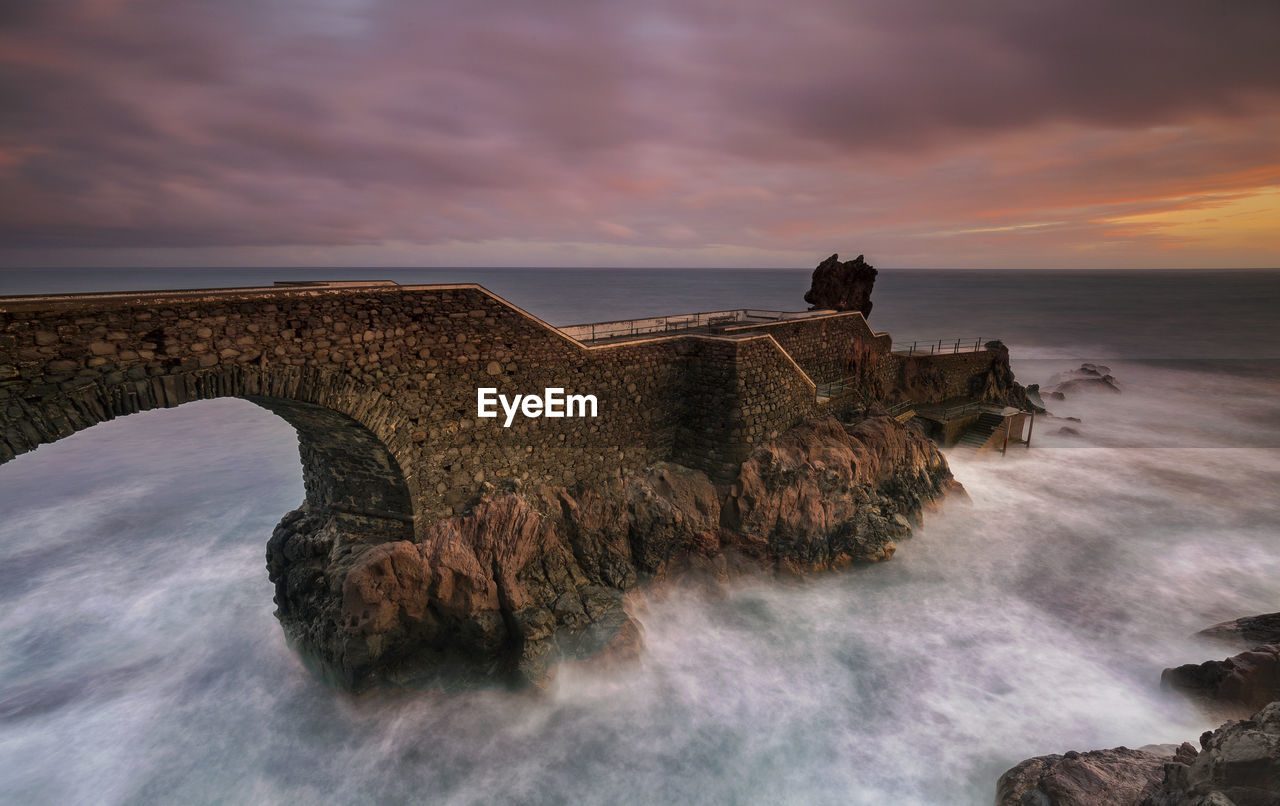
(395, 370)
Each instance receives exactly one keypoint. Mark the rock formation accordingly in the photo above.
(1088, 378)
(1116, 777)
(998, 384)
(1249, 631)
(529, 576)
(1244, 682)
(1238, 764)
(842, 286)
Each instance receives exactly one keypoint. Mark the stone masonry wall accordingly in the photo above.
(380, 381)
(820, 346)
(948, 374)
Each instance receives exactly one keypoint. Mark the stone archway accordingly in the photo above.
(357, 494)
(349, 468)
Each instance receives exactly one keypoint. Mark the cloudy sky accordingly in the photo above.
(927, 133)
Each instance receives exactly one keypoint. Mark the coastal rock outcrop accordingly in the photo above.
(1238, 765)
(1088, 378)
(998, 384)
(824, 495)
(529, 576)
(1249, 631)
(842, 286)
(1246, 681)
(1116, 777)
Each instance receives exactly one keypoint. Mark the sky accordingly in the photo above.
(922, 133)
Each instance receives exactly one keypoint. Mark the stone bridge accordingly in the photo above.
(380, 382)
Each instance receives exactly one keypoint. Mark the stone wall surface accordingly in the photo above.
(820, 346)
(935, 378)
(391, 372)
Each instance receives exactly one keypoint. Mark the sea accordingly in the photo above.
(140, 662)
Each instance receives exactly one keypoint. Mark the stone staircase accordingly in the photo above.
(902, 412)
(977, 437)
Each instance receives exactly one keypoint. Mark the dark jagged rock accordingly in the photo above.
(1238, 765)
(1246, 681)
(1249, 631)
(842, 286)
(1033, 396)
(1116, 777)
(824, 496)
(997, 384)
(1088, 378)
(530, 576)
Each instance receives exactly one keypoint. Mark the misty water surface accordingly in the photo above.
(141, 662)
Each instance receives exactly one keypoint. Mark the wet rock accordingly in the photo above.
(824, 495)
(1088, 378)
(1033, 396)
(842, 286)
(1116, 777)
(1068, 431)
(998, 385)
(1249, 631)
(1246, 681)
(530, 576)
(1238, 765)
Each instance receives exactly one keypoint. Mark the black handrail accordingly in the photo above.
(939, 347)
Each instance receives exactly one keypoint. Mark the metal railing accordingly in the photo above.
(939, 347)
(953, 412)
(840, 388)
(599, 331)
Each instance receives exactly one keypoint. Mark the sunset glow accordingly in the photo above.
(363, 132)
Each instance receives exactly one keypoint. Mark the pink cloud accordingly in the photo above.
(919, 132)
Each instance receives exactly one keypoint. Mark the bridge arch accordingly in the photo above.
(353, 460)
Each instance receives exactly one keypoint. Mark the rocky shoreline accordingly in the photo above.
(531, 576)
(1237, 765)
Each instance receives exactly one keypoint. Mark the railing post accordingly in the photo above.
(1030, 428)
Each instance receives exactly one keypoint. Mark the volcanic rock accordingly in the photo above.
(1116, 777)
(1238, 765)
(1248, 631)
(1033, 396)
(531, 576)
(1088, 378)
(842, 286)
(1246, 681)
(998, 384)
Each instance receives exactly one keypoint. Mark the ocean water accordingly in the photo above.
(140, 661)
